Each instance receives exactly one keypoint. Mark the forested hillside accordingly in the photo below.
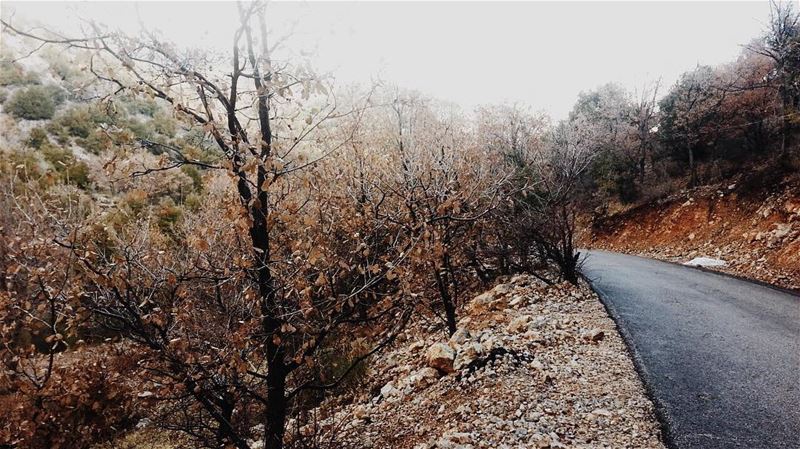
(208, 250)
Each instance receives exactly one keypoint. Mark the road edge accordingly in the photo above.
(739, 277)
(795, 293)
(662, 416)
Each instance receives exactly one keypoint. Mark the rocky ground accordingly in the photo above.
(531, 366)
(756, 234)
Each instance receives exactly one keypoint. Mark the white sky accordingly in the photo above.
(540, 54)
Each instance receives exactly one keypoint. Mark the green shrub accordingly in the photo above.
(56, 156)
(193, 202)
(24, 164)
(164, 124)
(56, 93)
(144, 106)
(80, 121)
(335, 362)
(32, 103)
(140, 130)
(12, 73)
(66, 166)
(96, 143)
(77, 174)
(197, 179)
(37, 137)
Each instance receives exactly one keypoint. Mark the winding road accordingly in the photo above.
(720, 356)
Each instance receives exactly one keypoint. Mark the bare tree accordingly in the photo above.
(268, 119)
(552, 201)
(782, 45)
(644, 119)
(446, 187)
(689, 111)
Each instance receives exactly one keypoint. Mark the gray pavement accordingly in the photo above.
(720, 356)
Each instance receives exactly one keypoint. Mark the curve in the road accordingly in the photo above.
(720, 356)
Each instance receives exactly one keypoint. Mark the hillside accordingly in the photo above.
(751, 222)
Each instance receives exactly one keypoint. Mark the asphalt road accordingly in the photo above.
(720, 356)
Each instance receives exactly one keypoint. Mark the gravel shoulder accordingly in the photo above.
(532, 366)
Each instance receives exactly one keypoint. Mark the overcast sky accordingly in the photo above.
(540, 54)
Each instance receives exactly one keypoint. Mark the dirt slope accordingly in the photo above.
(754, 229)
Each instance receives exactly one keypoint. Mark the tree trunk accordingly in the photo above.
(692, 168)
(276, 363)
(276, 397)
(642, 164)
(226, 410)
(277, 369)
(784, 120)
(447, 302)
(570, 269)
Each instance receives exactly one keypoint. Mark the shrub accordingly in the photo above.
(56, 93)
(77, 174)
(80, 121)
(164, 124)
(12, 73)
(32, 103)
(69, 170)
(23, 164)
(334, 362)
(146, 107)
(96, 142)
(85, 402)
(133, 202)
(140, 129)
(168, 215)
(37, 137)
(197, 178)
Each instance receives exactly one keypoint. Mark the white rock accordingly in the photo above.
(494, 299)
(516, 301)
(389, 390)
(593, 335)
(706, 262)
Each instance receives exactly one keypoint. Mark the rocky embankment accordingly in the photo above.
(531, 366)
(755, 234)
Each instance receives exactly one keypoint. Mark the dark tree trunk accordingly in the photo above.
(570, 269)
(447, 301)
(226, 410)
(276, 397)
(692, 168)
(642, 159)
(277, 368)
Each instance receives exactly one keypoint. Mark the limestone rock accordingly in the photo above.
(467, 354)
(460, 337)
(441, 357)
(594, 335)
(519, 324)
